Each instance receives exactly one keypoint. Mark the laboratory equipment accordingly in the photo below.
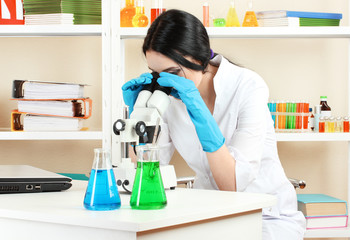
(157, 9)
(250, 19)
(322, 125)
(317, 117)
(140, 19)
(102, 192)
(331, 125)
(346, 124)
(219, 22)
(311, 120)
(148, 190)
(338, 127)
(326, 110)
(232, 18)
(127, 13)
(206, 14)
(140, 128)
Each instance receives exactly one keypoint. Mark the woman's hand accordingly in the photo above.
(132, 88)
(207, 129)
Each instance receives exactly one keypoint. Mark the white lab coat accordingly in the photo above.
(243, 117)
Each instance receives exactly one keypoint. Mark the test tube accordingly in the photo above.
(345, 124)
(206, 14)
(338, 125)
(321, 125)
(331, 123)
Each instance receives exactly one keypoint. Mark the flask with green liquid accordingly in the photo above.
(148, 190)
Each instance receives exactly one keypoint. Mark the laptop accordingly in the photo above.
(28, 179)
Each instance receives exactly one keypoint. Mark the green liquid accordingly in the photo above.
(148, 190)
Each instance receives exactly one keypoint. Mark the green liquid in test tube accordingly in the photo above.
(289, 118)
(294, 110)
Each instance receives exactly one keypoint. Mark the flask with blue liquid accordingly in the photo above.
(102, 192)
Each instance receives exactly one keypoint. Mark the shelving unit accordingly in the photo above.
(47, 30)
(103, 31)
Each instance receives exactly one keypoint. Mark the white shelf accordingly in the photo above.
(317, 137)
(49, 30)
(78, 135)
(328, 233)
(257, 32)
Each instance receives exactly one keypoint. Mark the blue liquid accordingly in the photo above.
(102, 192)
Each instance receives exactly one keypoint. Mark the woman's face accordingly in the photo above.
(158, 62)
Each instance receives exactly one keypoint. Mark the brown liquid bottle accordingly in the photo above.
(325, 109)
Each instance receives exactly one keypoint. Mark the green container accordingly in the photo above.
(148, 190)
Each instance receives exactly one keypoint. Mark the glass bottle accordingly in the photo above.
(127, 13)
(219, 22)
(232, 18)
(140, 19)
(331, 124)
(156, 9)
(311, 120)
(317, 117)
(250, 19)
(322, 125)
(338, 127)
(326, 121)
(148, 190)
(325, 109)
(345, 124)
(102, 191)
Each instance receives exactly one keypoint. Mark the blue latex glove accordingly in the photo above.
(207, 129)
(132, 88)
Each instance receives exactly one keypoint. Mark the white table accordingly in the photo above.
(190, 214)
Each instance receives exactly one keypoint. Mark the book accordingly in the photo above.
(32, 123)
(301, 14)
(46, 90)
(315, 205)
(326, 222)
(83, 11)
(59, 108)
(51, 18)
(297, 22)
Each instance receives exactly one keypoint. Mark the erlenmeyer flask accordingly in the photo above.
(250, 19)
(102, 192)
(148, 190)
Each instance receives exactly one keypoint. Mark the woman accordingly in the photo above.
(222, 126)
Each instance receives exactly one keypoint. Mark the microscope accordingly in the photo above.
(143, 127)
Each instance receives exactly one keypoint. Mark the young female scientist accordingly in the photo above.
(218, 119)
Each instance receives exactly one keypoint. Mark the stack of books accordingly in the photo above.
(39, 12)
(323, 211)
(281, 18)
(47, 106)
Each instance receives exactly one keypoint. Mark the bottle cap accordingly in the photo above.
(321, 118)
(338, 118)
(323, 97)
(310, 109)
(317, 109)
(346, 118)
(331, 118)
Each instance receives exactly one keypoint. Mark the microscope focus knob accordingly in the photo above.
(140, 128)
(118, 126)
